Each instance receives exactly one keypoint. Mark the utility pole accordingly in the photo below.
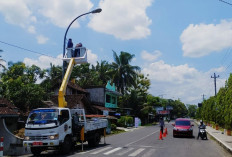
(215, 77)
(161, 95)
(203, 96)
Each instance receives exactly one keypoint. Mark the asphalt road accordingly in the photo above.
(144, 142)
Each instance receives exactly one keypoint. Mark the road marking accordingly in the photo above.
(137, 152)
(149, 153)
(143, 146)
(101, 150)
(142, 138)
(125, 151)
(112, 151)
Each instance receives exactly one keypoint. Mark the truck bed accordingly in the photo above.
(94, 124)
(89, 124)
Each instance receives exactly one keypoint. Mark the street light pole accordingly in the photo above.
(64, 62)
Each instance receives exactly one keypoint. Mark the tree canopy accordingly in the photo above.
(28, 86)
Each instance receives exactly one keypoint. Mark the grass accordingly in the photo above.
(150, 124)
(117, 131)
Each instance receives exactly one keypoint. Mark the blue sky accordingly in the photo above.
(180, 43)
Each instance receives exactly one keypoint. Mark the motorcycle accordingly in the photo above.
(202, 133)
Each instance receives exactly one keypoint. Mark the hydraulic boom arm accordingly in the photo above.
(62, 90)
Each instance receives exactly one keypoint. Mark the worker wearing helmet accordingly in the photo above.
(201, 126)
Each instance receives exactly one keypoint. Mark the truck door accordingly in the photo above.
(65, 123)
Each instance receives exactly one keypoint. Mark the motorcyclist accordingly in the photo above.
(201, 126)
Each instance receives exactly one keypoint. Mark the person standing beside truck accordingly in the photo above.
(162, 125)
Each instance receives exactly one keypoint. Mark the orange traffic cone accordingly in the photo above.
(160, 138)
(164, 135)
(166, 131)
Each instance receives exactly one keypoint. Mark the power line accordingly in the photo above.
(226, 2)
(27, 49)
(226, 56)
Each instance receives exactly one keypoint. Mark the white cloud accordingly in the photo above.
(25, 13)
(180, 81)
(124, 19)
(41, 39)
(150, 56)
(61, 13)
(44, 61)
(200, 40)
(31, 29)
(91, 57)
(17, 12)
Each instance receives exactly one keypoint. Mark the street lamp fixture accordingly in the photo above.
(96, 11)
(91, 12)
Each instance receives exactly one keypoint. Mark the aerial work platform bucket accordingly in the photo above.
(79, 54)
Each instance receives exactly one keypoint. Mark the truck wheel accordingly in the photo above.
(95, 140)
(66, 146)
(36, 151)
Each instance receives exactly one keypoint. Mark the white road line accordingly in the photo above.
(149, 153)
(101, 150)
(125, 151)
(137, 152)
(112, 151)
(142, 138)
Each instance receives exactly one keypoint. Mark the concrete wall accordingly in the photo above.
(97, 95)
(12, 145)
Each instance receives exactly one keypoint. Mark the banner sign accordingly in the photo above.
(136, 122)
(164, 112)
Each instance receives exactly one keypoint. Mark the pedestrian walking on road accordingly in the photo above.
(162, 125)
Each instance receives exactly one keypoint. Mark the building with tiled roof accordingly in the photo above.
(76, 97)
(7, 109)
(72, 89)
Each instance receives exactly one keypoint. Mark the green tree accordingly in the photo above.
(18, 84)
(192, 109)
(86, 76)
(102, 70)
(154, 101)
(179, 109)
(220, 106)
(52, 76)
(228, 104)
(123, 74)
(136, 96)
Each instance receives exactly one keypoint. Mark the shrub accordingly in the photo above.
(113, 127)
(129, 120)
(124, 121)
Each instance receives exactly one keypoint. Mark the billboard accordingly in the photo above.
(164, 112)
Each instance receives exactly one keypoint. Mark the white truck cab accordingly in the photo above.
(54, 128)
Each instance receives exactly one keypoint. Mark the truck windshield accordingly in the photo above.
(43, 116)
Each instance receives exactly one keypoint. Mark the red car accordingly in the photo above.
(183, 127)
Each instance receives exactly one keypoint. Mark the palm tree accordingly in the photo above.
(123, 73)
(103, 69)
